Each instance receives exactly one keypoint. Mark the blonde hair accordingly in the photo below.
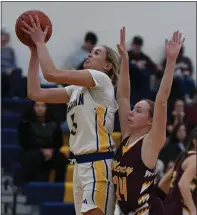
(114, 59)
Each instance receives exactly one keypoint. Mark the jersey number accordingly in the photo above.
(121, 187)
(74, 126)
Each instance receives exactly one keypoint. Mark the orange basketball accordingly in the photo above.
(44, 22)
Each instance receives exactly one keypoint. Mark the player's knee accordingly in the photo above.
(95, 211)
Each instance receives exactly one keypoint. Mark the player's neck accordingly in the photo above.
(135, 135)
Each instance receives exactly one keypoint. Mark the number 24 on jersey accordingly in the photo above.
(121, 187)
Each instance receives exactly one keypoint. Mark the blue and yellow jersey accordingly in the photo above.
(90, 115)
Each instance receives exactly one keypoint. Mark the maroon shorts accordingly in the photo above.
(173, 208)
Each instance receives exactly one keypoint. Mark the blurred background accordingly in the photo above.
(36, 175)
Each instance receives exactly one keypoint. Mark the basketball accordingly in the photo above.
(44, 22)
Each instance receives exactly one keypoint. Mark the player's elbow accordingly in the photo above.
(50, 76)
(34, 96)
(31, 96)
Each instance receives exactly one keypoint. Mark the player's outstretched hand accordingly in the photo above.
(173, 47)
(35, 31)
(122, 47)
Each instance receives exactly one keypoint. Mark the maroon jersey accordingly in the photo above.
(174, 203)
(134, 181)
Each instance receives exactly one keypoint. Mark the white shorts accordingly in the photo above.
(93, 187)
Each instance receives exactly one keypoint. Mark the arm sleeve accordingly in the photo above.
(100, 78)
(69, 90)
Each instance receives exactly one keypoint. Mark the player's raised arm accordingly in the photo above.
(157, 135)
(123, 91)
(50, 72)
(35, 92)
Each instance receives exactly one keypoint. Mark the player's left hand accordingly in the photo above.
(35, 32)
(122, 47)
(173, 47)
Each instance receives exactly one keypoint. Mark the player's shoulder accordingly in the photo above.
(99, 74)
(191, 157)
(73, 87)
(189, 160)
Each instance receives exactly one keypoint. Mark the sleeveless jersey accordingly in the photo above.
(174, 202)
(133, 181)
(90, 115)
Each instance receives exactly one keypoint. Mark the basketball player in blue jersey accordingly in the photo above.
(143, 136)
(90, 115)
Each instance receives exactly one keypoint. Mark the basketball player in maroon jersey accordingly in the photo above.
(143, 136)
(181, 192)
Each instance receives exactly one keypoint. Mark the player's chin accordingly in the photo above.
(130, 126)
(130, 123)
(86, 65)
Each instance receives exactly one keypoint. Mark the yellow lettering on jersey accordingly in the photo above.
(116, 182)
(121, 187)
(129, 170)
(115, 164)
(122, 169)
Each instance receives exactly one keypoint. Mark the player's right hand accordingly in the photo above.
(35, 31)
(173, 46)
(122, 47)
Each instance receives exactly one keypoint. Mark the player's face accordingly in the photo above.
(139, 117)
(96, 59)
(40, 109)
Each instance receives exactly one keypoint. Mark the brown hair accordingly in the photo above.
(151, 107)
(113, 58)
(189, 146)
